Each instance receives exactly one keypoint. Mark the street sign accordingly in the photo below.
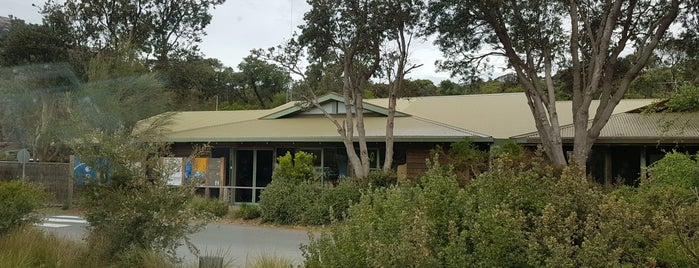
(23, 156)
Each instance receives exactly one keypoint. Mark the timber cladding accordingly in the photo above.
(56, 177)
(417, 154)
(415, 159)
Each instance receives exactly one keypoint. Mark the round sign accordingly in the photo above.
(23, 156)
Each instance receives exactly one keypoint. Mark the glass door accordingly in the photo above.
(253, 171)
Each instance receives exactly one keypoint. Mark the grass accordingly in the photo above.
(30, 247)
(270, 261)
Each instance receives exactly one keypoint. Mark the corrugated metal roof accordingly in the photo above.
(643, 127)
(498, 115)
(317, 129)
(443, 118)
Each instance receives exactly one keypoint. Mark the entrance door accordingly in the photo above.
(253, 171)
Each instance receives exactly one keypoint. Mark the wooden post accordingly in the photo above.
(608, 167)
(643, 163)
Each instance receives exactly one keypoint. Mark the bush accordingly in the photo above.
(31, 247)
(381, 178)
(284, 202)
(295, 196)
(331, 202)
(296, 168)
(18, 200)
(129, 205)
(211, 206)
(247, 212)
(526, 216)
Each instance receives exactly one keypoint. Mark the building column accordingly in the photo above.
(644, 165)
(608, 166)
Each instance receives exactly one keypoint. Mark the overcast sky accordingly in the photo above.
(241, 25)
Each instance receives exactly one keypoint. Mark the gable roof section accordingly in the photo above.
(640, 128)
(328, 98)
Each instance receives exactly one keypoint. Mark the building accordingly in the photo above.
(246, 143)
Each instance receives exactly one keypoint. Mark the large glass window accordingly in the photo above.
(253, 171)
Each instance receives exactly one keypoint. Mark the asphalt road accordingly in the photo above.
(239, 243)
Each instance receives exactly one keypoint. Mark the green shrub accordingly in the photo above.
(296, 168)
(381, 178)
(247, 212)
(331, 203)
(130, 207)
(306, 202)
(295, 196)
(284, 202)
(211, 206)
(669, 201)
(675, 169)
(685, 100)
(522, 217)
(18, 200)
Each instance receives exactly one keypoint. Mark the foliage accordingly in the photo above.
(466, 159)
(270, 261)
(30, 43)
(523, 216)
(295, 168)
(285, 202)
(161, 28)
(18, 203)
(295, 196)
(35, 107)
(247, 212)
(263, 79)
(211, 206)
(685, 100)
(331, 203)
(129, 205)
(29, 247)
(381, 178)
(466, 156)
(538, 37)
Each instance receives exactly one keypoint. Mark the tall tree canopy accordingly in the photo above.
(157, 28)
(351, 36)
(537, 37)
(263, 79)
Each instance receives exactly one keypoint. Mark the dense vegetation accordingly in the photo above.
(524, 217)
(296, 196)
(19, 201)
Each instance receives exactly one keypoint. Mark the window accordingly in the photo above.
(253, 171)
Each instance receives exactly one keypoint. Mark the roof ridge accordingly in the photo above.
(450, 126)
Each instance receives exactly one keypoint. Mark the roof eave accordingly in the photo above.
(325, 139)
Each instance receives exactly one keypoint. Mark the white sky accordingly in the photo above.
(241, 25)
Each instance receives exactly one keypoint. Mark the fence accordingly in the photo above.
(56, 177)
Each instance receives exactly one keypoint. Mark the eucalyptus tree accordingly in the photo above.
(157, 28)
(350, 35)
(402, 22)
(536, 37)
(263, 79)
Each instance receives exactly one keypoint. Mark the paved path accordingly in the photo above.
(245, 243)
(241, 243)
(71, 227)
